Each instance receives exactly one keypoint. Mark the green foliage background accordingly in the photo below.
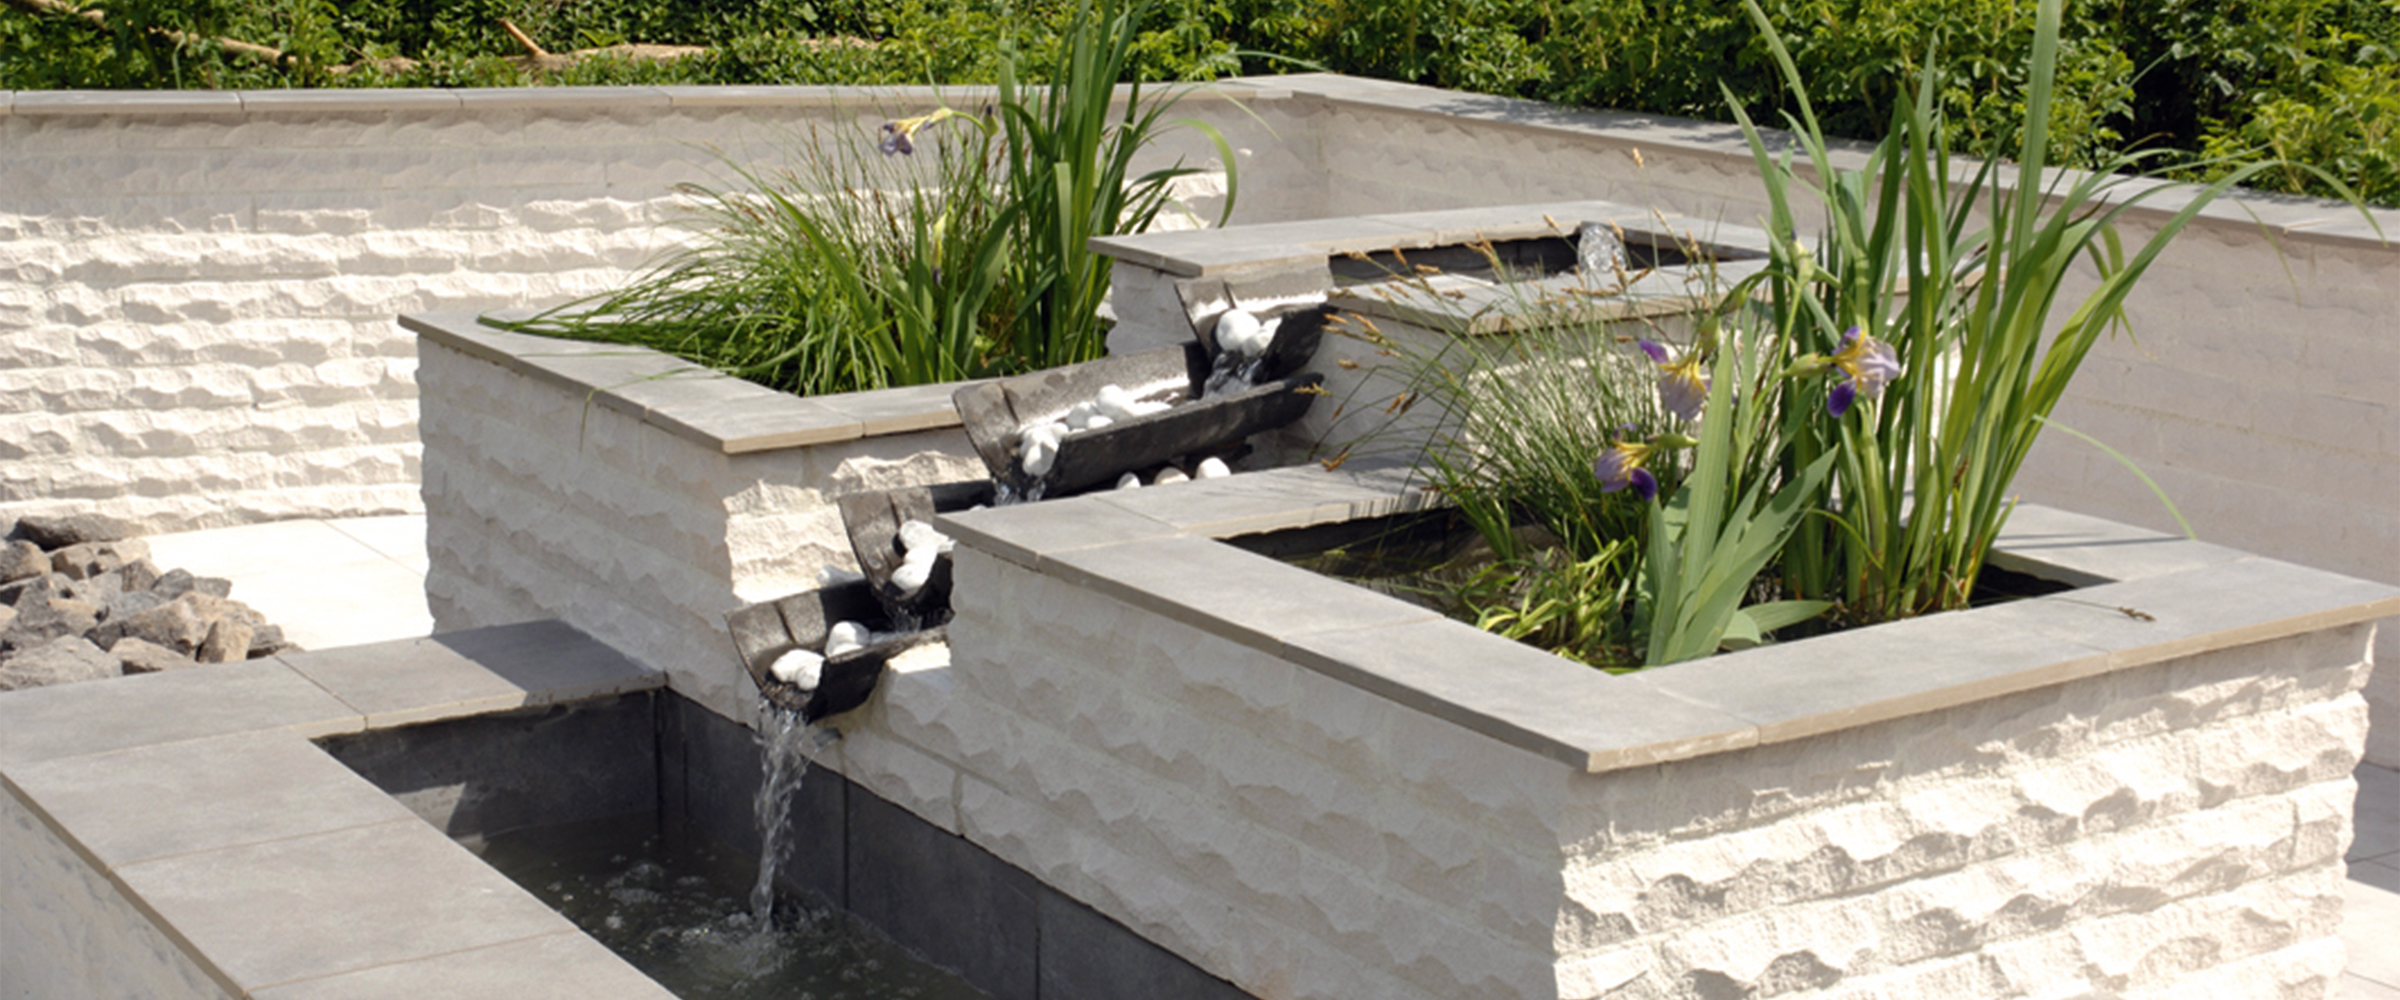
(2315, 81)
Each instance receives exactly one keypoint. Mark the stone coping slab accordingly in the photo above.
(277, 870)
(2144, 598)
(2311, 220)
(1193, 253)
(721, 412)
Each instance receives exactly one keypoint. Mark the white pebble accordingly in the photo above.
(835, 576)
(1115, 403)
(1037, 448)
(799, 668)
(1235, 331)
(1098, 421)
(916, 535)
(914, 572)
(1080, 416)
(1129, 481)
(845, 637)
(1170, 474)
(1211, 468)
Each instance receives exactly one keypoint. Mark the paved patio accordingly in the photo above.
(358, 580)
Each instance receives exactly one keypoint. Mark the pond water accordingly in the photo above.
(677, 907)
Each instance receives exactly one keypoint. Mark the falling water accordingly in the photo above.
(788, 739)
(1599, 254)
(1233, 373)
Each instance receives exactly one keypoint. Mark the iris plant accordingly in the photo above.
(1867, 363)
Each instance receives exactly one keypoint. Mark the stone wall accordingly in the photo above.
(547, 500)
(67, 933)
(2174, 830)
(2257, 386)
(197, 290)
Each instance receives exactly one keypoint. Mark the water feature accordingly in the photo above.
(670, 903)
(785, 738)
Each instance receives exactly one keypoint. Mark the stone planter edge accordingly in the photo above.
(2142, 598)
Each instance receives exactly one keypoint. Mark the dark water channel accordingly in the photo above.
(677, 906)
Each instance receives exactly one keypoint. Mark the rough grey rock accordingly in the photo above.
(99, 588)
(177, 625)
(267, 640)
(21, 560)
(125, 605)
(60, 661)
(9, 614)
(138, 657)
(60, 532)
(223, 607)
(177, 582)
(50, 617)
(34, 588)
(228, 642)
(85, 560)
(139, 572)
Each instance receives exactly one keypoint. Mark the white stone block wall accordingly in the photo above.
(2173, 830)
(68, 933)
(197, 290)
(543, 503)
(2260, 386)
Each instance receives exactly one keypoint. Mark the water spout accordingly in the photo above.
(787, 739)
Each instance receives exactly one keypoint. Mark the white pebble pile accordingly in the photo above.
(921, 546)
(799, 668)
(1037, 441)
(1242, 334)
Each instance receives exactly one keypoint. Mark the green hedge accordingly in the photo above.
(2316, 81)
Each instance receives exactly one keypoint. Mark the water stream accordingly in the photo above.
(785, 740)
(670, 900)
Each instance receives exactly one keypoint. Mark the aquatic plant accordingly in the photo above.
(952, 246)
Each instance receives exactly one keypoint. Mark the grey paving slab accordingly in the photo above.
(468, 673)
(2155, 618)
(1520, 695)
(671, 383)
(128, 102)
(898, 410)
(2081, 550)
(565, 966)
(306, 907)
(1026, 534)
(1801, 689)
(561, 98)
(2371, 921)
(1247, 598)
(152, 802)
(1272, 500)
(99, 716)
(748, 423)
(2354, 987)
(1192, 253)
(420, 100)
(2347, 231)
(2377, 819)
(754, 97)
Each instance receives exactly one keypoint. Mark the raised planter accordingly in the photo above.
(642, 498)
(2136, 788)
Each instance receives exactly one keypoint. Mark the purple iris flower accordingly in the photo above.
(895, 139)
(1620, 467)
(1682, 386)
(1867, 363)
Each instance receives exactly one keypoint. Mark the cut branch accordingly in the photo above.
(523, 39)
